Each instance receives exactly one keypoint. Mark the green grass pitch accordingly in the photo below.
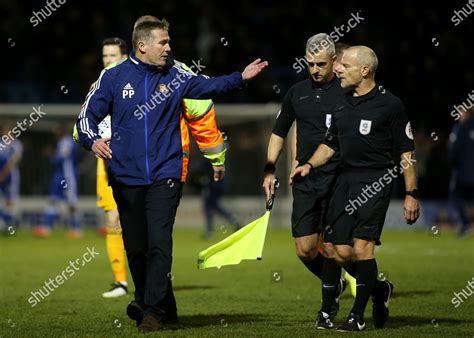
(275, 297)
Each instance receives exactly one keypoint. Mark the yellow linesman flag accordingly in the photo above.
(246, 243)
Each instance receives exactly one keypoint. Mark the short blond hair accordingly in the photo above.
(142, 31)
(144, 18)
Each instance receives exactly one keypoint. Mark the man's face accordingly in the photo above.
(349, 70)
(157, 48)
(320, 66)
(111, 54)
(337, 63)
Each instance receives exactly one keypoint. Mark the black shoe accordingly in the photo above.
(353, 323)
(380, 298)
(335, 305)
(135, 312)
(323, 321)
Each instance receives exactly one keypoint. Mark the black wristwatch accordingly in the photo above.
(413, 193)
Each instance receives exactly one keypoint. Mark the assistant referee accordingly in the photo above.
(367, 130)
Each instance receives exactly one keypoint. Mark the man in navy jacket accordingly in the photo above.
(143, 97)
(461, 143)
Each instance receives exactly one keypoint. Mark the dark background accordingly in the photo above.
(64, 50)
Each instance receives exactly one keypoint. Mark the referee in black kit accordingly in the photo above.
(368, 129)
(311, 102)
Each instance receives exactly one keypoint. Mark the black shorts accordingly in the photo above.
(358, 206)
(311, 195)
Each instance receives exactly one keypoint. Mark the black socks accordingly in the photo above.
(366, 279)
(316, 265)
(330, 283)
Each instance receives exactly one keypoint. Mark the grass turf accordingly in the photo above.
(273, 297)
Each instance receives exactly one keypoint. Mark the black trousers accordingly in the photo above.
(147, 215)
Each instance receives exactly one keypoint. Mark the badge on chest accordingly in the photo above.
(162, 88)
(364, 127)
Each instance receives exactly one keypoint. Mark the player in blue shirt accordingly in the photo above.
(63, 186)
(10, 157)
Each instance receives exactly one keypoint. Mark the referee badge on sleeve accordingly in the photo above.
(364, 127)
(328, 120)
(408, 131)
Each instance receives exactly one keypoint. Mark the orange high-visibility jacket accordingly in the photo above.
(199, 118)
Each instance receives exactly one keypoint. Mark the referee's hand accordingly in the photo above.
(101, 149)
(411, 209)
(298, 172)
(269, 185)
(219, 172)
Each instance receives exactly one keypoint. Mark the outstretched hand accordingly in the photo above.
(253, 69)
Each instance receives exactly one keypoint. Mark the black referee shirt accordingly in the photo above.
(369, 129)
(312, 107)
